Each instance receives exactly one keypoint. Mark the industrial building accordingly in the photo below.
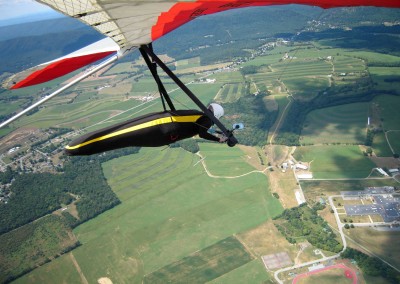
(384, 203)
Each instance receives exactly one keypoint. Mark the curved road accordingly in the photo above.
(340, 226)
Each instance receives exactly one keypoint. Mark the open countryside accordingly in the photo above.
(214, 216)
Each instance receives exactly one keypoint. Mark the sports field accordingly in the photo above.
(338, 273)
(337, 161)
(170, 209)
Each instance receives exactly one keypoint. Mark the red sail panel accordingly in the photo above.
(184, 12)
(60, 68)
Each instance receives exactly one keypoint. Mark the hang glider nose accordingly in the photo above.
(59, 67)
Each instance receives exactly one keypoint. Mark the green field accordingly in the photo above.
(381, 75)
(205, 265)
(92, 107)
(335, 161)
(187, 63)
(388, 108)
(389, 115)
(394, 140)
(120, 68)
(380, 145)
(170, 209)
(339, 124)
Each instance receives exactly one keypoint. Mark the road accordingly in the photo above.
(340, 226)
(344, 241)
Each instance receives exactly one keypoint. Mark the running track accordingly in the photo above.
(349, 273)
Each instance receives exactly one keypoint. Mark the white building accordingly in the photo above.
(301, 167)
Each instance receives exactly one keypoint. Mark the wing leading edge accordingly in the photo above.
(132, 23)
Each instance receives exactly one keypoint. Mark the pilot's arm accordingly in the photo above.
(204, 123)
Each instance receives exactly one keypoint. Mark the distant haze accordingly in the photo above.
(23, 11)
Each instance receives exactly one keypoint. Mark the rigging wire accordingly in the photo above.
(181, 103)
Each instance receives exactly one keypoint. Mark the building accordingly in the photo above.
(301, 166)
(384, 203)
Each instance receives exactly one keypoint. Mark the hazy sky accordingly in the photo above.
(21, 8)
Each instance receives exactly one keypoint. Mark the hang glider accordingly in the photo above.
(132, 24)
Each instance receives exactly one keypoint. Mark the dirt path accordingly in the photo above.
(214, 176)
(283, 115)
(78, 268)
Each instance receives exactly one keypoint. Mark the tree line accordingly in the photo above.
(372, 266)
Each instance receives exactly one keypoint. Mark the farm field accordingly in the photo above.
(170, 209)
(121, 68)
(386, 78)
(253, 271)
(388, 108)
(230, 93)
(380, 145)
(390, 117)
(233, 160)
(394, 140)
(335, 161)
(93, 108)
(205, 265)
(385, 244)
(339, 124)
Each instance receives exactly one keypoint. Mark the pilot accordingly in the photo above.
(151, 130)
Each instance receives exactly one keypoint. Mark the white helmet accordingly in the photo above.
(217, 110)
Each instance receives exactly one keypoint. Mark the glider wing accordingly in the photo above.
(132, 23)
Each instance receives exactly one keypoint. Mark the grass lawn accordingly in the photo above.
(335, 161)
(170, 209)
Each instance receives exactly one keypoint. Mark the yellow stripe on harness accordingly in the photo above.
(159, 121)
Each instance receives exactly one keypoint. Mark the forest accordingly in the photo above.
(258, 120)
(303, 222)
(37, 194)
(33, 245)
